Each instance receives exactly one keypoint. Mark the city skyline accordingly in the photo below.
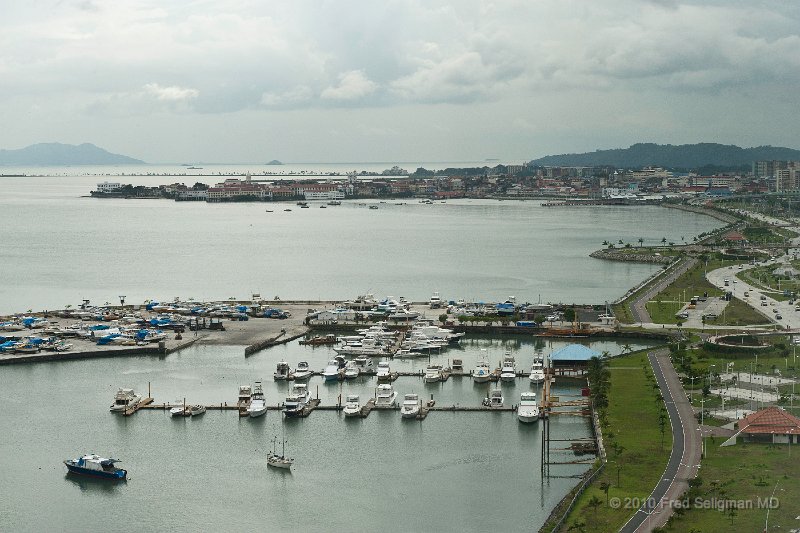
(396, 81)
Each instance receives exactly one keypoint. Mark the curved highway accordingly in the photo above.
(684, 460)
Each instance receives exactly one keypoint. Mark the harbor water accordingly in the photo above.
(462, 471)
(60, 247)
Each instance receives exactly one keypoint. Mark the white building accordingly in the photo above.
(108, 186)
(324, 195)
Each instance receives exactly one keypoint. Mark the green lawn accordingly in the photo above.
(738, 313)
(744, 472)
(633, 424)
(663, 312)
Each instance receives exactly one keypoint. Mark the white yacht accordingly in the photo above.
(124, 399)
(352, 407)
(404, 314)
(279, 461)
(384, 372)
(508, 372)
(537, 371)
(495, 398)
(302, 372)
(528, 410)
(197, 410)
(362, 363)
(481, 373)
(386, 396)
(258, 404)
(411, 406)
(281, 371)
(435, 301)
(331, 372)
(350, 370)
(433, 373)
(297, 400)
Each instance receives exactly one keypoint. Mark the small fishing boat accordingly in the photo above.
(279, 461)
(180, 409)
(96, 466)
(197, 410)
(352, 407)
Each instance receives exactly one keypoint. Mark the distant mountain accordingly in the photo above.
(56, 154)
(685, 156)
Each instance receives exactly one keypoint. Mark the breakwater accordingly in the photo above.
(612, 255)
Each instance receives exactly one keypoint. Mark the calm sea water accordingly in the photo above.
(60, 247)
(451, 472)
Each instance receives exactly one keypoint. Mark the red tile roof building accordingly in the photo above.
(770, 425)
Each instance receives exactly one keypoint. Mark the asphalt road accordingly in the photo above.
(684, 460)
(638, 307)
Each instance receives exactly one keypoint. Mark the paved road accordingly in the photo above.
(638, 308)
(684, 460)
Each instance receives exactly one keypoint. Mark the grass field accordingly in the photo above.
(636, 466)
(744, 473)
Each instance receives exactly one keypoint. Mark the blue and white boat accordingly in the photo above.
(96, 466)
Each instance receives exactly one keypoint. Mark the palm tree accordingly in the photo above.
(627, 348)
(594, 502)
(641, 242)
(664, 240)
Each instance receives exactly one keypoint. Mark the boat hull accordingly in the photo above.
(118, 474)
(528, 417)
(254, 413)
(276, 461)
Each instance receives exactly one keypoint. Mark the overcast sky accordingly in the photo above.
(384, 80)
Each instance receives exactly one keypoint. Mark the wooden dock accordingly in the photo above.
(144, 402)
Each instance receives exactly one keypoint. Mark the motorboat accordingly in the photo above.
(432, 331)
(124, 399)
(362, 363)
(279, 461)
(96, 466)
(258, 404)
(197, 410)
(180, 409)
(433, 373)
(411, 406)
(302, 372)
(537, 371)
(297, 400)
(384, 373)
(508, 371)
(281, 371)
(495, 398)
(350, 370)
(435, 301)
(245, 393)
(528, 410)
(404, 314)
(386, 396)
(481, 373)
(331, 372)
(352, 407)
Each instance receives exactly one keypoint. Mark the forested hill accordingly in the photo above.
(685, 156)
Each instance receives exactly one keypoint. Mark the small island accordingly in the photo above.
(274, 162)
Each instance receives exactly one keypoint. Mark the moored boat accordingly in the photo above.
(528, 410)
(331, 372)
(124, 399)
(197, 410)
(383, 373)
(386, 396)
(495, 399)
(508, 371)
(258, 404)
(297, 400)
(302, 372)
(411, 406)
(352, 407)
(433, 373)
(279, 461)
(281, 371)
(96, 466)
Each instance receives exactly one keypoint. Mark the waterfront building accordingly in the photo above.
(107, 187)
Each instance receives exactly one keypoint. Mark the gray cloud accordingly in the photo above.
(516, 59)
